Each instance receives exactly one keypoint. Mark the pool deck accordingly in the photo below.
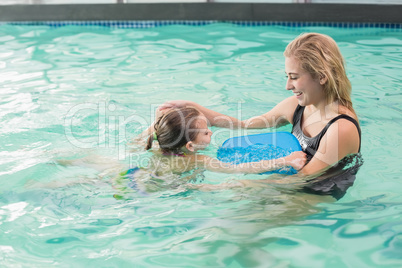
(206, 11)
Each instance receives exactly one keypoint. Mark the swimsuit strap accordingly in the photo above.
(310, 144)
(132, 183)
(342, 116)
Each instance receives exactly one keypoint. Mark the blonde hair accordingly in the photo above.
(174, 129)
(319, 55)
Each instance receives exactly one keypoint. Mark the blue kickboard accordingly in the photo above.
(257, 147)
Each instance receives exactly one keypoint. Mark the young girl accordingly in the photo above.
(182, 132)
(179, 134)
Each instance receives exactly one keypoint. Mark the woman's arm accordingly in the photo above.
(341, 139)
(280, 114)
(296, 160)
(213, 118)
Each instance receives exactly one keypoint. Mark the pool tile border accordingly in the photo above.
(153, 24)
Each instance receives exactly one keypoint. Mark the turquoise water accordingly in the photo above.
(77, 91)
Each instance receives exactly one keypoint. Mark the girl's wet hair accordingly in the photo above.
(319, 55)
(174, 129)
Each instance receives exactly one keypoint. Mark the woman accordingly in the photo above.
(320, 109)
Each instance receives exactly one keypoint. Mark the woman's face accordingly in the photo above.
(307, 89)
(203, 138)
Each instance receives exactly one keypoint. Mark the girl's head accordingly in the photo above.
(181, 128)
(319, 55)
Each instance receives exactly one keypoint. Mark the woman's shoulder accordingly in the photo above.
(347, 133)
(285, 108)
(347, 121)
(292, 101)
(342, 110)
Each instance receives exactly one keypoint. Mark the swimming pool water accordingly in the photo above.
(76, 91)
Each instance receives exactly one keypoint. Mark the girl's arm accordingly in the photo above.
(296, 160)
(143, 136)
(280, 114)
(141, 139)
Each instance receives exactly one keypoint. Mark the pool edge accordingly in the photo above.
(352, 13)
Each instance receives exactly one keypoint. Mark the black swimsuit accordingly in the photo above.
(310, 145)
(338, 178)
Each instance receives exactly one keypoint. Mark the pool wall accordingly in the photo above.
(351, 13)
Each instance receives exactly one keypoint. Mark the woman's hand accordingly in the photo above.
(213, 118)
(296, 159)
(159, 113)
(174, 104)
